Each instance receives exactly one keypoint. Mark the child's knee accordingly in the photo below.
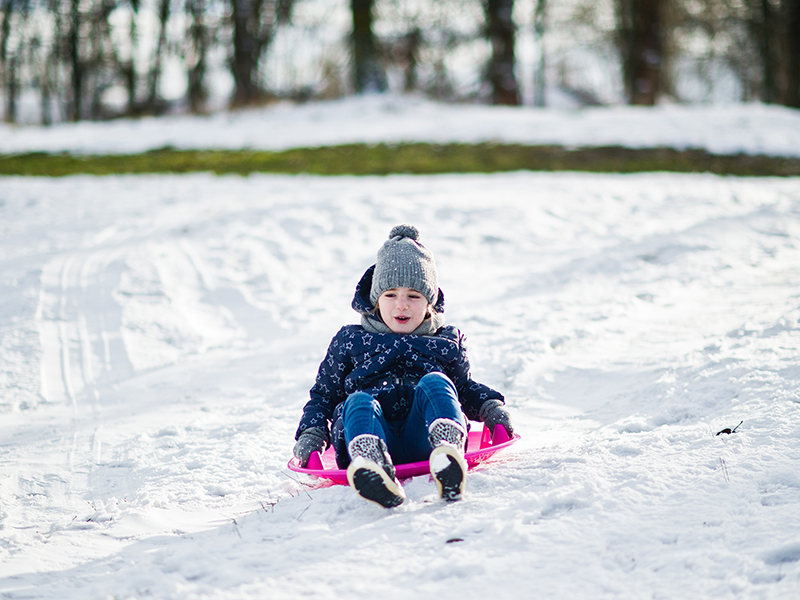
(362, 404)
(436, 380)
(358, 399)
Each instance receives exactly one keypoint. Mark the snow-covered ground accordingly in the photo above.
(158, 336)
(721, 129)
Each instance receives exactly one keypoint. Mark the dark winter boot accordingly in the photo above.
(448, 467)
(371, 472)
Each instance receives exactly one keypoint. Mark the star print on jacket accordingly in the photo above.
(386, 366)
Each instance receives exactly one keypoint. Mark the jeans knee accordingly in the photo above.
(358, 399)
(436, 380)
(361, 403)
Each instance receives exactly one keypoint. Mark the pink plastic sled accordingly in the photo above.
(480, 446)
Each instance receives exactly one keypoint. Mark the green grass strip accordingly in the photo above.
(418, 158)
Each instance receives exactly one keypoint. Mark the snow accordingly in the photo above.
(720, 129)
(159, 334)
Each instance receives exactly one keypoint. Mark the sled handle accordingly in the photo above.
(498, 436)
(315, 461)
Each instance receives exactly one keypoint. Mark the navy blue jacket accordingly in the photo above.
(386, 366)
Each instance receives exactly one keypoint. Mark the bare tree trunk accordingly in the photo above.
(53, 97)
(154, 77)
(5, 64)
(792, 52)
(196, 56)
(254, 26)
(128, 67)
(641, 42)
(500, 30)
(46, 95)
(763, 26)
(12, 89)
(369, 75)
(410, 55)
(76, 66)
(538, 32)
(247, 47)
(121, 58)
(97, 75)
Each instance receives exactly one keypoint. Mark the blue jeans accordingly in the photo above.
(435, 397)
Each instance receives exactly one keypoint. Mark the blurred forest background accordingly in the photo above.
(70, 60)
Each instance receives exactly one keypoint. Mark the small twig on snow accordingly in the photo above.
(724, 470)
(236, 528)
(729, 430)
(299, 482)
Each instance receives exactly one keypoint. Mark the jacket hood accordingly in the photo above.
(364, 306)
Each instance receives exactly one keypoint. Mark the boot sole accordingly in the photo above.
(450, 479)
(373, 483)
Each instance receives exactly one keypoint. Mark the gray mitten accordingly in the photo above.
(494, 413)
(313, 439)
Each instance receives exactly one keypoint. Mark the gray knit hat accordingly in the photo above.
(404, 262)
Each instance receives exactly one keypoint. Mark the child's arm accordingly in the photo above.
(479, 401)
(328, 390)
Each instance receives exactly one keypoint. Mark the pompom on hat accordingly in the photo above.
(404, 262)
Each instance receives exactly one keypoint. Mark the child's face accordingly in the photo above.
(402, 309)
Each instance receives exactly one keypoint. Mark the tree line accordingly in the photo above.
(68, 57)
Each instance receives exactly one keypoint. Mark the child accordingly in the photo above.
(397, 388)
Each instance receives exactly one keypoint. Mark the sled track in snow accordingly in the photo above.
(82, 351)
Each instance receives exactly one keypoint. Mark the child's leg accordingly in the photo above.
(435, 398)
(371, 472)
(363, 414)
(442, 433)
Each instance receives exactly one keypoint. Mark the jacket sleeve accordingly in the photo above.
(328, 390)
(472, 394)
